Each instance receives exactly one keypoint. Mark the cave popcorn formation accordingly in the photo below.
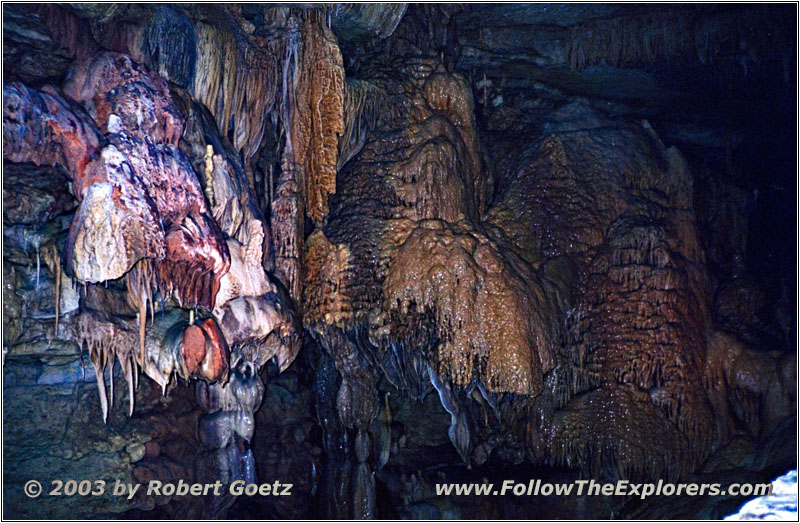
(537, 278)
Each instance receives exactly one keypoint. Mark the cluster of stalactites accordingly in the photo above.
(164, 236)
(142, 285)
(291, 69)
(363, 101)
(206, 51)
(432, 260)
(639, 39)
(107, 342)
(492, 324)
(238, 81)
(309, 161)
(416, 289)
(171, 346)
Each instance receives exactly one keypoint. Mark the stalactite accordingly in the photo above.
(236, 213)
(317, 120)
(196, 260)
(327, 271)
(288, 205)
(142, 284)
(171, 347)
(207, 357)
(384, 443)
(363, 102)
(253, 312)
(52, 259)
(433, 184)
(621, 349)
(379, 20)
(159, 211)
(458, 432)
(288, 226)
(69, 30)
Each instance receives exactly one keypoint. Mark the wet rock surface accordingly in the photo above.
(366, 249)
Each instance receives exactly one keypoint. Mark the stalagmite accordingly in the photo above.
(209, 172)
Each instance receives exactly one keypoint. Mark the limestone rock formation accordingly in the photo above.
(368, 249)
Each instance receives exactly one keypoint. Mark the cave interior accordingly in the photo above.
(369, 248)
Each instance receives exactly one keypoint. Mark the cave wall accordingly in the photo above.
(366, 248)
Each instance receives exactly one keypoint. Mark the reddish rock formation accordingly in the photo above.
(139, 179)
